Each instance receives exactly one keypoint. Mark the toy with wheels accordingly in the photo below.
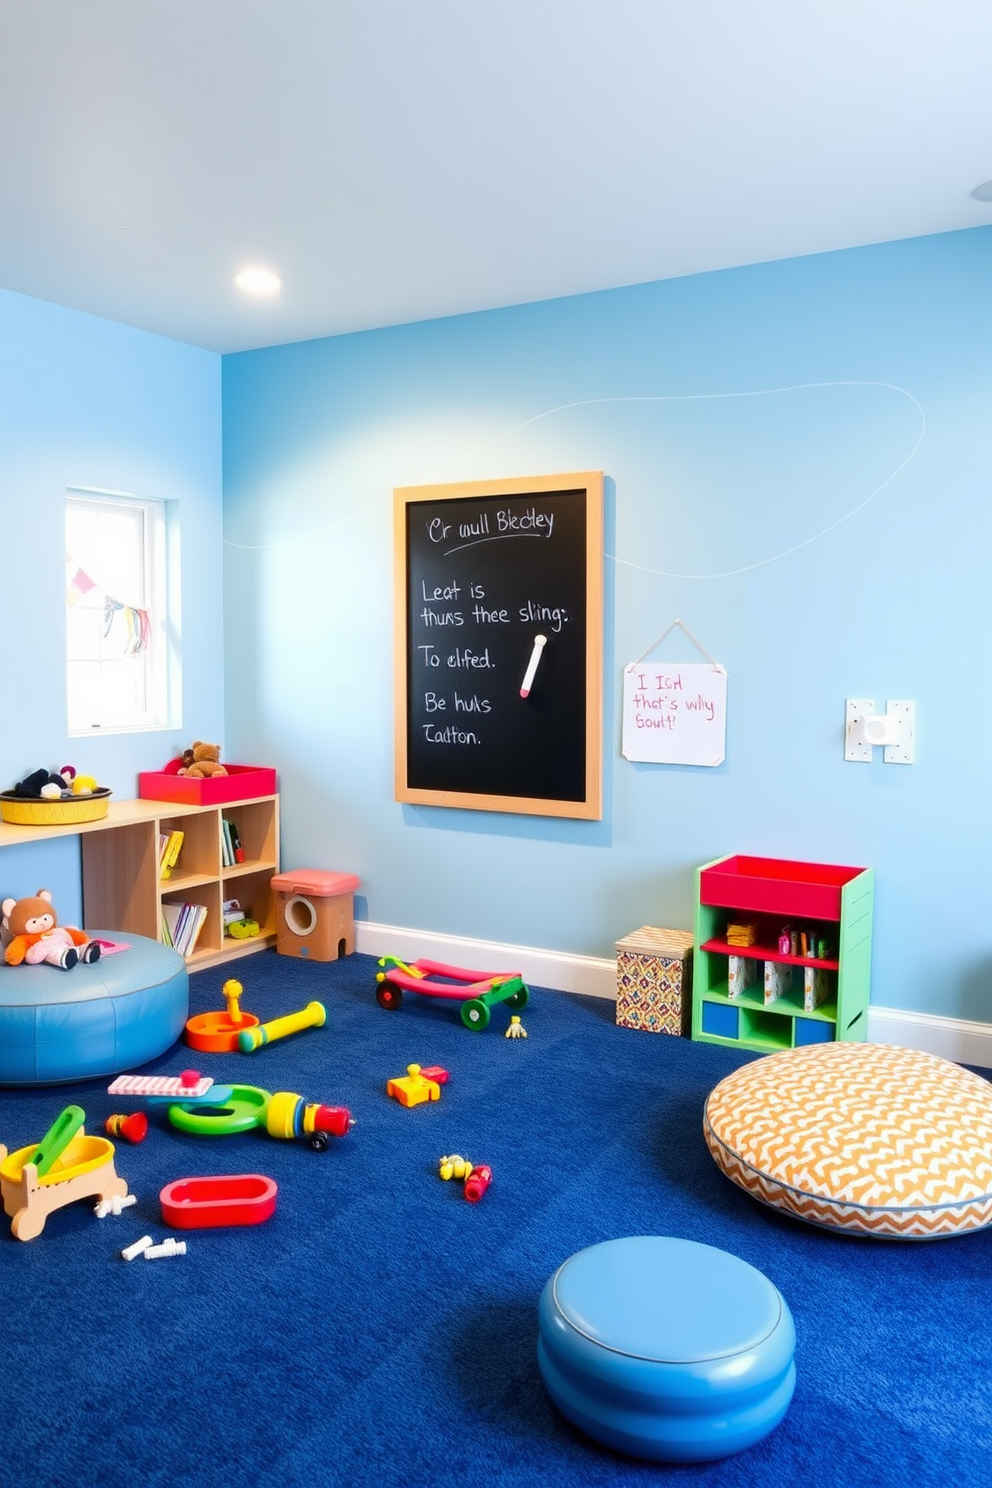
(245, 1107)
(64, 1166)
(477, 991)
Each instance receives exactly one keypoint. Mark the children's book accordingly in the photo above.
(816, 987)
(741, 972)
(778, 980)
(172, 851)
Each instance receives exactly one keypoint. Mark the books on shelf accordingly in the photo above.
(169, 854)
(741, 972)
(181, 925)
(816, 987)
(231, 849)
(778, 980)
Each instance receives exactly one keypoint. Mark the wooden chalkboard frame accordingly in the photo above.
(590, 806)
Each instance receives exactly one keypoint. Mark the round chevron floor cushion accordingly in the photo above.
(867, 1138)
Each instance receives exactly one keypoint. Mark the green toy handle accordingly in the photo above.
(57, 1138)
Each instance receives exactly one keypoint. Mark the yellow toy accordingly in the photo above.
(84, 1169)
(516, 1029)
(417, 1085)
(314, 1015)
(454, 1167)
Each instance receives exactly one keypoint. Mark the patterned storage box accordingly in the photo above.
(654, 980)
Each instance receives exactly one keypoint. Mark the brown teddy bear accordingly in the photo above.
(34, 935)
(202, 761)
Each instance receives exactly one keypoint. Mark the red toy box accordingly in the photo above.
(241, 783)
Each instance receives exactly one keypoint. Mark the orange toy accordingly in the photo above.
(217, 1033)
(417, 1085)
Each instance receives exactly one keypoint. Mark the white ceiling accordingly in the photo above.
(397, 160)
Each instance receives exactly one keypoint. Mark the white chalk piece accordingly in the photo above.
(540, 642)
(168, 1247)
(115, 1205)
(136, 1249)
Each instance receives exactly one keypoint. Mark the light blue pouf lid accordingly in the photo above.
(666, 1300)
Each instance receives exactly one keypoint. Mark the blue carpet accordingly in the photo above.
(380, 1330)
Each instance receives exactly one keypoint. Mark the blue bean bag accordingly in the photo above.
(95, 1020)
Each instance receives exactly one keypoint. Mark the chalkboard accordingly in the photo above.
(499, 644)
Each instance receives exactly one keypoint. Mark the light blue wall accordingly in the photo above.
(761, 429)
(86, 402)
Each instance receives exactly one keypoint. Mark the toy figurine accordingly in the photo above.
(516, 1029)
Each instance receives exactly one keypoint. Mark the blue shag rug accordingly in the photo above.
(379, 1330)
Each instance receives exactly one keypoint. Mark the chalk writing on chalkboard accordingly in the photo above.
(499, 644)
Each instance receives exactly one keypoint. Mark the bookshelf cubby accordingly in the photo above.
(122, 886)
(825, 901)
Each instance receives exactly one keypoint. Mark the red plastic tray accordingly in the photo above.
(239, 784)
(776, 885)
(231, 1199)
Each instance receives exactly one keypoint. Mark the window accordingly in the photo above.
(121, 629)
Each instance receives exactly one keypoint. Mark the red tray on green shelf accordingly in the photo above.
(241, 783)
(777, 885)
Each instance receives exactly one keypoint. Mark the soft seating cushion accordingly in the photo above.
(868, 1138)
(97, 1019)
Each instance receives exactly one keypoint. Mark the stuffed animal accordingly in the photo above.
(35, 935)
(43, 785)
(201, 761)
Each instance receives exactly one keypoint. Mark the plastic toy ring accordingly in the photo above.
(243, 1111)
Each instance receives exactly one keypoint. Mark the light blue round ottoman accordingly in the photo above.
(666, 1349)
(97, 1019)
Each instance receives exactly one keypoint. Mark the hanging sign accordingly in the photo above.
(675, 714)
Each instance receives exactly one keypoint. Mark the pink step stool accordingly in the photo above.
(315, 914)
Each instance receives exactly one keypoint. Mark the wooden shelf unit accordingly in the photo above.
(771, 892)
(122, 889)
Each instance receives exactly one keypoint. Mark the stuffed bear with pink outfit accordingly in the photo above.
(33, 935)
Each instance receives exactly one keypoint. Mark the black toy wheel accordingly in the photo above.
(319, 1141)
(388, 996)
(519, 999)
(475, 1014)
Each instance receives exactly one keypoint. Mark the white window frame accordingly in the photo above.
(93, 660)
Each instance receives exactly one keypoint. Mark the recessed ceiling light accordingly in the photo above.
(983, 192)
(258, 281)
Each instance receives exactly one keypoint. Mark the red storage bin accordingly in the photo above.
(776, 885)
(241, 783)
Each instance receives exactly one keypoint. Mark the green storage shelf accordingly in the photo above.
(826, 901)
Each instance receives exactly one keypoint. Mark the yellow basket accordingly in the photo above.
(21, 812)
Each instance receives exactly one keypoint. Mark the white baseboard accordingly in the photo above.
(951, 1038)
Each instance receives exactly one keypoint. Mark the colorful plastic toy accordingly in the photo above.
(290, 1116)
(417, 1085)
(84, 1169)
(57, 1138)
(233, 1199)
(132, 1128)
(242, 1111)
(454, 1167)
(217, 1033)
(190, 1085)
(477, 1182)
(477, 991)
(516, 1029)
(283, 1115)
(314, 1015)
